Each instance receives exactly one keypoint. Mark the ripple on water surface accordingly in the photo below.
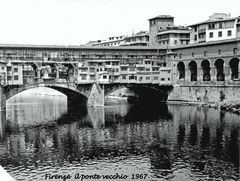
(165, 142)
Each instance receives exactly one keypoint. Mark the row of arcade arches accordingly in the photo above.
(33, 70)
(205, 67)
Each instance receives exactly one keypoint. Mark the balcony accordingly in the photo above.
(202, 40)
(132, 70)
(113, 72)
(163, 39)
(124, 65)
(184, 38)
(90, 73)
(202, 30)
(9, 73)
(84, 71)
(140, 65)
(238, 21)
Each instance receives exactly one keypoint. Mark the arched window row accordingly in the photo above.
(204, 71)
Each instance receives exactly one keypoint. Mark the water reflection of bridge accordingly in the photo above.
(196, 134)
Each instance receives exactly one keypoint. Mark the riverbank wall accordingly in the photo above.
(225, 97)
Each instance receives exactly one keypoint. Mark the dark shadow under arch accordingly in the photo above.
(193, 70)
(219, 65)
(234, 63)
(206, 70)
(181, 70)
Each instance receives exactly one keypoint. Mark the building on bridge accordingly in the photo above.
(29, 64)
(14, 73)
(114, 71)
(84, 74)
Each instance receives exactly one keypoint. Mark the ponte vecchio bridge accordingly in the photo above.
(87, 74)
(84, 74)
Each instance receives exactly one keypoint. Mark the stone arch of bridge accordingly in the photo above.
(32, 71)
(53, 69)
(110, 88)
(151, 92)
(73, 93)
(70, 71)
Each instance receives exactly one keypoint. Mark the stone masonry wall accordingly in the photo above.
(2, 100)
(205, 94)
(96, 97)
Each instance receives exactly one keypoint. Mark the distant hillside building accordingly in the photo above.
(163, 32)
(139, 39)
(173, 36)
(157, 24)
(91, 43)
(219, 26)
(112, 41)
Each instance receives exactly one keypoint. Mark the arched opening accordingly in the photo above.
(35, 106)
(181, 70)
(70, 71)
(234, 68)
(193, 70)
(74, 96)
(53, 70)
(30, 72)
(219, 64)
(48, 70)
(206, 70)
(66, 71)
(66, 56)
(45, 71)
(150, 94)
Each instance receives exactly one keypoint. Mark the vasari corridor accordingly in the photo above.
(157, 105)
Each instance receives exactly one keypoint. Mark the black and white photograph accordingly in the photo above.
(119, 90)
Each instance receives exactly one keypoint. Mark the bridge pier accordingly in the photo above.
(96, 97)
(2, 123)
(2, 112)
(2, 100)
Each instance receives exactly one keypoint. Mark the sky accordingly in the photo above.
(75, 22)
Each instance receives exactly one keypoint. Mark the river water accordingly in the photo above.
(41, 136)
